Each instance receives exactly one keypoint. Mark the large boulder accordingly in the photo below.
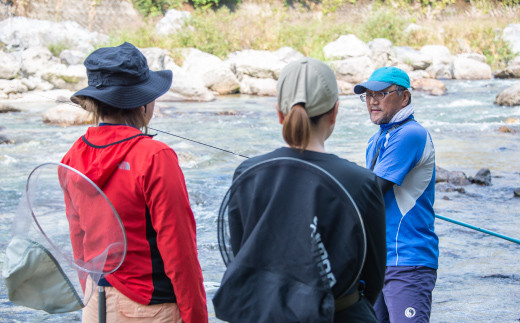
(187, 87)
(346, 46)
(431, 86)
(511, 35)
(354, 69)
(72, 77)
(214, 73)
(160, 59)
(256, 63)
(9, 66)
(416, 59)
(258, 86)
(440, 54)
(67, 114)
(509, 96)
(38, 59)
(22, 33)
(512, 69)
(172, 21)
(11, 87)
(382, 53)
(469, 69)
(72, 57)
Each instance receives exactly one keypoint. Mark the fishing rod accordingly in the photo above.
(478, 229)
(498, 235)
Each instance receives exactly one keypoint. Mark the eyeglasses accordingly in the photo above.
(376, 95)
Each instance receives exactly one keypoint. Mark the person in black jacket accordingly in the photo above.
(306, 227)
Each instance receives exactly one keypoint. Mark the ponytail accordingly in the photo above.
(297, 128)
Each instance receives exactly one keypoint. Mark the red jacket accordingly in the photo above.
(142, 179)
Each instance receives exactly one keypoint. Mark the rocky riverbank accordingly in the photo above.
(28, 66)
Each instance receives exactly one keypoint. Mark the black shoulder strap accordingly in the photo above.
(373, 164)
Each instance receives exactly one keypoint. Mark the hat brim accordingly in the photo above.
(371, 85)
(131, 96)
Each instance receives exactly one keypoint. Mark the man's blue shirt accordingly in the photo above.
(407, 158)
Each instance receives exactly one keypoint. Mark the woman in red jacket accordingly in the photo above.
(160, 279)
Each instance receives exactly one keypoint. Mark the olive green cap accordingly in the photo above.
(310, 82)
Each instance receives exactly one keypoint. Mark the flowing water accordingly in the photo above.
(478, 276)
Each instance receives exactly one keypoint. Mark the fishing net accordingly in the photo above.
(277, 222)
(66, 225)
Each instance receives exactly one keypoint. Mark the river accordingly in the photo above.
(478, 276)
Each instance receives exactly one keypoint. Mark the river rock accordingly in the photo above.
(439, 54)
(509, 96)
(506, 129)
(440, 71)
(172, 21)
(512, 69)
(412, 57)
(10, 87)
(72, 57)
(353, 70)
(382, 53)
(214, 73)
(345, 88)
(511, 35)
(346, 46)
(256, 63)
(470, 69)
(258, 86)
(453, 177)
(288, 54)
(5, 108)
(431, 86)
(9, 66)
(37, 59)
(483, 177)
(21, 33)
(448, 187)
(72, 77)
(160, 59)
(5, 140)
(67, 115)
(186, 87)
(516, 192)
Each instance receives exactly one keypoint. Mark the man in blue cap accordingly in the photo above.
(402, 155)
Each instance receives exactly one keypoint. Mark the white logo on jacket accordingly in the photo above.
(124, 165)
(325, 267)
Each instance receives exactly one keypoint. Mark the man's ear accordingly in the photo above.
(281, 117)
(406, 98)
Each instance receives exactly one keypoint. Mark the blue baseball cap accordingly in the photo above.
(382, 78)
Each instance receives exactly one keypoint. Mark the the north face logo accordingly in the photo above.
(124, 165)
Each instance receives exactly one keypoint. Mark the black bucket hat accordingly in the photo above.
(120, 77)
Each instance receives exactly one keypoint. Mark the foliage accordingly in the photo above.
(263, 26)
(57, 48)
(384, 23)
(155, 7)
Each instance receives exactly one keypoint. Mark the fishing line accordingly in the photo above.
(198, 142)
(517, 241)
(155, 129)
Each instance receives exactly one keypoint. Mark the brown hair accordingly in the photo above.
(297, 126)
(132, 117)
